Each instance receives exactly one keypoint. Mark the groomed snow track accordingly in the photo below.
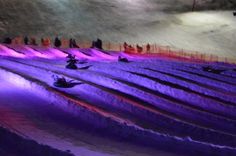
(164, 104)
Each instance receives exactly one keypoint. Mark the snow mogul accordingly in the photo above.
(71, 62)
(61, 82)
(120, 59)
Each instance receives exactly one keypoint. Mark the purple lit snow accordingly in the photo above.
(151, 105)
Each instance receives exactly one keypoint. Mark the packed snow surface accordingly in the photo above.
(165, 22)
(151, 105)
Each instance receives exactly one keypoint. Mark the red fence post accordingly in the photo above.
(155, 48)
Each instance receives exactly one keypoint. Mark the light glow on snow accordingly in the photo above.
(203, 19)
(101, 99)
(133, 4)
(9, 52)
(13, 79)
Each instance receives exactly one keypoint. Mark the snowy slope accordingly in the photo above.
(161, 103)
(42, 121)
(166, 22)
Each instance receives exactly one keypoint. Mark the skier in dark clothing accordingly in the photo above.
(125, 46)
(139, 48)
(26, 40)
(60, 81)
(148, 47)
(71, 43)
(74, 44)
(99, 44)
(69, 56)
(93, 44)
(72, 63)
(42, 41)
(120, 59)
(7, 40)
(57, 42)
(33, 41)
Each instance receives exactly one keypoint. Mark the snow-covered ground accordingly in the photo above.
(40, 120)
(165, 22)
(149, 105)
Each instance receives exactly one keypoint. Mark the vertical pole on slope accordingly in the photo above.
(168, 51)
(194, 5)
(158, 48)
(155, 48)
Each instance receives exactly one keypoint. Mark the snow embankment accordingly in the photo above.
(13, 144)
(113, 125)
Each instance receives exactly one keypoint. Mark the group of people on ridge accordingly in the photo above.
(139, 49)
(57, 42)
(72, 44)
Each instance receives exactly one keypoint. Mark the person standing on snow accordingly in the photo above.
(99, 44)
(26, 40)
(57, 42)
(148, 47)
(125, 45)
